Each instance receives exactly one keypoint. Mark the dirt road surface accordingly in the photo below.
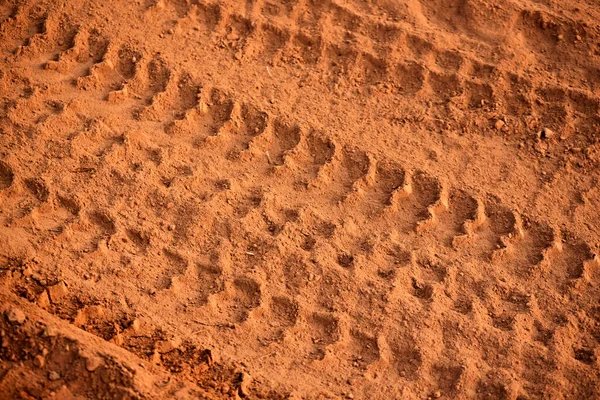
(305, 199)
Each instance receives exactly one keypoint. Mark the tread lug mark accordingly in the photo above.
(322, 151)
(518, 98)
(127, 61)
(418, 46)
(239, 29)
(69, 203)
(187, 97)
(180, 7)
(406, 356)
(278, 221)
(249, 124)
(56, 35)
(77, 59)
(464, 215)
(241, 207)
(367, 349)
(104, 73)
(324, 331)
(97, 46)
(176, 266)
(315, 154)
(220, 111)
(554, 116)
(140, 239)
(385, 180)
(151, 80)
(214, 116)
(34, 32)
(352, 167)
(314, 11)
(209, 15)
(278, 7)
(445, 85)
(246, 296)
(409, 77)
(500, 225)
(482, 71)
(210, 281)
(571, 263)
(345, 18)
(512, 302)
(38, 188)
(480, 94)
(179, 100)
(528, 249)
(584, 104)
(283, 315)
(25, 195)
(268, 43)
(372, 70)
(385, 35)
(7, 13)
(284, 138)
(449, 60)
(340, 61)
(100, 227)
(297, 273)
(427, 199)
(309, 48)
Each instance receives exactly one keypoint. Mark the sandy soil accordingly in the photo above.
(366, 199)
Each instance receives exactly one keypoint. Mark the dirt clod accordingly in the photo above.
(15, 316)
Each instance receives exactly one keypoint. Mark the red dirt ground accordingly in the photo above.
(366, 199)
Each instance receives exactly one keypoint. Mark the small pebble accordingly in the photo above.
(547, 133)
(39, 361)
(92, 363)
(53, 376)
(136, 325)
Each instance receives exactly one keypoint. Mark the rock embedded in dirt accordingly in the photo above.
(546, 133)
(93, 363)
(39, 361)
(15, 316)
(166, 346)
(57, 292)
(53, 376)
(43, 300)
(499, 124)
(49, 331)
